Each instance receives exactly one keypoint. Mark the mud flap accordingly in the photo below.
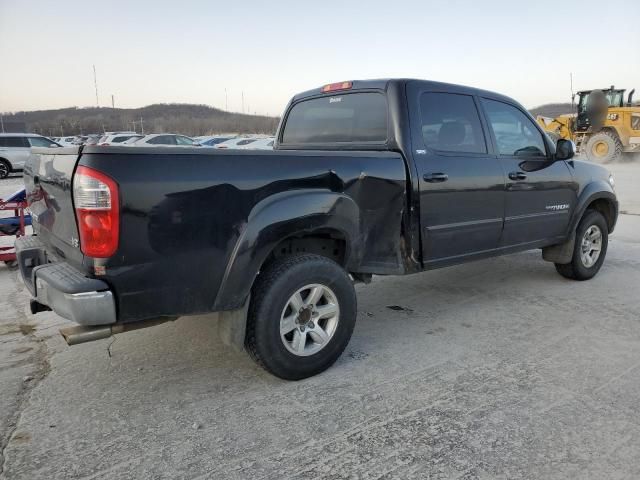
(561, 253)
(232, 327)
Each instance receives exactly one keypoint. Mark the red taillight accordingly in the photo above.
(95, 197)
(332, 87)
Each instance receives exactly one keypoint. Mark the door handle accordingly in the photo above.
(517, 176)
(435, 177)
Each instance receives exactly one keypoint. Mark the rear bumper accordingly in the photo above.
(62, 288)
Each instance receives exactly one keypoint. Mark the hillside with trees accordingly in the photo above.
(186, 119)
(552, 110)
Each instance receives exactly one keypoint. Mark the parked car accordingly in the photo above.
(79, 139)
(92, 139)
(64, 141)
(166, 139)
(259, 144)
(236, 142)
(212, 141)
(378, 177)
(15, 148)
(117, 138)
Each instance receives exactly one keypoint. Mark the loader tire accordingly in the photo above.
(604, 147)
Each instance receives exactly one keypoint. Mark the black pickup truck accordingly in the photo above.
(376, 177)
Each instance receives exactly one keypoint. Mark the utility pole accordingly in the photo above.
(2, 123)
(243, 101)
(95, 83)
(113, 101)
(226, 101)
(571, 83)
(141, 126)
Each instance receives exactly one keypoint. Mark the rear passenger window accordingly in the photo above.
(450, 123)
(515, 133)
(13, 142)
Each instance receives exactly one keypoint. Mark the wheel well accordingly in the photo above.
(606, 208)
(328, 243)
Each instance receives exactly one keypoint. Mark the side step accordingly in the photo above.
(84, 334)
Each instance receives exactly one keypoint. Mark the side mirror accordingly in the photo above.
(565, 149)
(53, 145)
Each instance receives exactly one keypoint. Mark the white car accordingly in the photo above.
(117, 138)
(237, 142)
(213, 140)
(64, 141)
(15, 149)
(259, 144)
(165, 139)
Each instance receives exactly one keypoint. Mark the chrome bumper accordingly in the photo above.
(62, 288)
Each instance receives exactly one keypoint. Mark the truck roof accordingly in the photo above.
(383, 84)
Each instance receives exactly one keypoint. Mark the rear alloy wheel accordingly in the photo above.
(5, 169)
(592, 239)
(309, 320)
(301, 316)
(604, 147)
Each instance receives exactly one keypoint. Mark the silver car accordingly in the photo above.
(15, 148)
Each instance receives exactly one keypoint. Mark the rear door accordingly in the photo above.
(47, 177)
(539, 195)
(461, 181)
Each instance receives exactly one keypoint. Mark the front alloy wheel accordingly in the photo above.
(5, 170)
(591, 246)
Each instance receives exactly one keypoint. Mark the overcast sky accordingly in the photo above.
(190, 51)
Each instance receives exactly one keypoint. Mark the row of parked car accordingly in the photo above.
(15, 148)
(260, 142)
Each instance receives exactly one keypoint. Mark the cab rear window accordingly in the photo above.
(341, 118)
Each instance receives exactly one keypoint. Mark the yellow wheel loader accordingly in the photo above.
(603, 128)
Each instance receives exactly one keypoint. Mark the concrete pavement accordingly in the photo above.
(496, 369)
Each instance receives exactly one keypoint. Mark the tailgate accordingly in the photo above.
(47, 177)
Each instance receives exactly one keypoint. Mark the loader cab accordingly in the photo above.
(613, 96)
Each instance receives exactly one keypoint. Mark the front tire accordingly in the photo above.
(590, 249)
(5, 169)
(604, 147)
(301, 316)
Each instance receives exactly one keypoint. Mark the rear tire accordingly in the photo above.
(604, 147)
(592, 234)
(5, 169)
(317, 329)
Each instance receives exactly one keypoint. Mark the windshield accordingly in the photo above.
(342, 118)
(614, 99)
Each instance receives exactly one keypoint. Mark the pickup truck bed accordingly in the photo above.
(200, 222)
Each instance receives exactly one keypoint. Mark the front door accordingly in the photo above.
(540, 195)
(461, 183)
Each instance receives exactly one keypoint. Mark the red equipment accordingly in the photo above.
(13, 226)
